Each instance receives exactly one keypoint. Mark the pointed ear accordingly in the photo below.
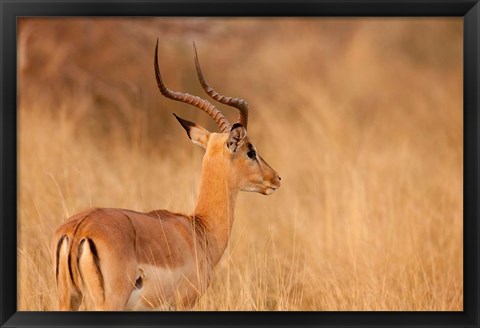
(196, 133)
(236, 137)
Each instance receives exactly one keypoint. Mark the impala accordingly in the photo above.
(118, 259)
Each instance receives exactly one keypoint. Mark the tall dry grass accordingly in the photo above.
(362, 118)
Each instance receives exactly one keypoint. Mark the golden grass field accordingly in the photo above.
(362, 118)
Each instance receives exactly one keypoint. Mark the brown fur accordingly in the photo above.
(116, 259)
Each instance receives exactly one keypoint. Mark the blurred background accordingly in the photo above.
(362, 118)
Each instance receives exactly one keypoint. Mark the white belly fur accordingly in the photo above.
(162, 288)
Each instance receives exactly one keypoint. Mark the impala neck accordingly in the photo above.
(215, 205)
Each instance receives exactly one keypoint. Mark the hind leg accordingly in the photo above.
(106, 278)
(69, 301)
(116, 296)
(119, 290)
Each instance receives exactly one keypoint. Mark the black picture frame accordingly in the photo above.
(10, 10)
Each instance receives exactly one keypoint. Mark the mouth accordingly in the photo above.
(262, 189)
(270, 190)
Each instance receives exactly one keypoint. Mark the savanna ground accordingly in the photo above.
(362, 118)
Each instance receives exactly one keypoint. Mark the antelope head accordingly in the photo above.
(231, 149)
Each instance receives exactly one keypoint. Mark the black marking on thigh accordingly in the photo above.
(77, 227)
(70, 267)
(59, 244)
(70, 270)
(96, 259)
(79, 254)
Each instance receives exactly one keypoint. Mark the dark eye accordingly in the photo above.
(252, 154)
